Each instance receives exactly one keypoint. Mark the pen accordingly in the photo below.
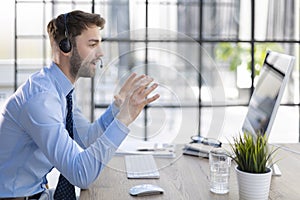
(145, 149)
(151, 149)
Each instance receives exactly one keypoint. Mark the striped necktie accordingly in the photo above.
(65, 190)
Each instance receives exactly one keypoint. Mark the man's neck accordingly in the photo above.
(64, 65)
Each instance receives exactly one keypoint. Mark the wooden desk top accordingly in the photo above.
(187, 177)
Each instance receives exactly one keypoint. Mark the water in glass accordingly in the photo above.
(219, 164)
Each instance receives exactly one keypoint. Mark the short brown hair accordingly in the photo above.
(77, 21)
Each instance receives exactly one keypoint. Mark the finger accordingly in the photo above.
(131, 77)
(139, 89)
(150, 100)
(129, 80)
(145, 81)
(142, 94)
(133, 84)
(140, 83)
(147, 91)
(118, 100)
(140, 79)
(117, 97)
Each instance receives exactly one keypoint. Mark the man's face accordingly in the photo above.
(86, 53)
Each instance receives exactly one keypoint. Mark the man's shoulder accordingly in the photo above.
(37, 84)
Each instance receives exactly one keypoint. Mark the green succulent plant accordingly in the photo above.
(252, 153)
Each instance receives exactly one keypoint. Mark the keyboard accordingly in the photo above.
(141, 166)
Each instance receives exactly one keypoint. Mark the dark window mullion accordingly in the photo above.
(252, 43)
(146, 71)
(200, 64)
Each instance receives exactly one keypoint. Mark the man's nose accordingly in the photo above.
(99, 52)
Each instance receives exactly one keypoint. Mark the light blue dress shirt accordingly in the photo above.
(33, 138)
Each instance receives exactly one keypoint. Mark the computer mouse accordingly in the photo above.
(145, 189)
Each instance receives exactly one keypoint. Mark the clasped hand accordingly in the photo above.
(133, 97)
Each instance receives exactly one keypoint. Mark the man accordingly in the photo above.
(41, 129)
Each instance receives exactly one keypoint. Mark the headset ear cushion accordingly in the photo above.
(65, 45)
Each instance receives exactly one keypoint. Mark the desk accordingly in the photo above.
(187, 177)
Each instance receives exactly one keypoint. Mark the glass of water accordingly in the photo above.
(219, 164)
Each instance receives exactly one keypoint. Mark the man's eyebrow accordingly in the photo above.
(94, 40)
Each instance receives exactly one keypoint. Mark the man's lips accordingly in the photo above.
(94, 62)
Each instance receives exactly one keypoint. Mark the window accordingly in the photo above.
(205, 55)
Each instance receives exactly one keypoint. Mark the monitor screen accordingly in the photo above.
(268, 92)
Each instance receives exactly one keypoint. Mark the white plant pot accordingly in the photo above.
(253, 186)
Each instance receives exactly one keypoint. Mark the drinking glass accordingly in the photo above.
(219, 164)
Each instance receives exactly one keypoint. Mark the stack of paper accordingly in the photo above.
(197, 149)
(144, 148)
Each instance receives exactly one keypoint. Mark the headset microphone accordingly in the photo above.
(101, 65)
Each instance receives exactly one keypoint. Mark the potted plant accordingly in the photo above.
(252, 156)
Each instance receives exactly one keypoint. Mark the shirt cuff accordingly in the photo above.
(115, 110)
(117, 133)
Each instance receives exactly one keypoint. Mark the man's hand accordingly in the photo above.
(132, 97)
(125, 89)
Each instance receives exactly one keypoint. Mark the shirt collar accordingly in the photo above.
(61, 79)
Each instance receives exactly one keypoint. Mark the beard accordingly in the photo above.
(81, 67)
(75, 62)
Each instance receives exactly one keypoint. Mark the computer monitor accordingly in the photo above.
(268, 92)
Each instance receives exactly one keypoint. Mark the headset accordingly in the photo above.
(65, 44)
